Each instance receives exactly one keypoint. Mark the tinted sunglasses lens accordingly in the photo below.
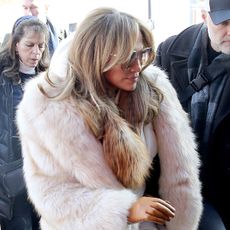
(141, 56)
(145, 56)
(132, 59)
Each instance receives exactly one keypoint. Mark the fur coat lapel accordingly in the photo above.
(179, 181)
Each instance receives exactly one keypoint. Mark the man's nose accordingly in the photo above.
(228, 27)
(27, 12)
(136, 66)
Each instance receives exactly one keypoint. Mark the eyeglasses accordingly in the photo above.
(142, 56)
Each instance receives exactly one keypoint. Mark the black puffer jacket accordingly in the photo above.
(13, 195)
(11, 177)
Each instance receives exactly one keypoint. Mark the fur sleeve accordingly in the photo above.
(179, 181)
(67, 178)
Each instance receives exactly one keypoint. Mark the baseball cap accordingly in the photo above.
(219, 10)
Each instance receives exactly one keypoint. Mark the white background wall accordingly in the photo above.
(9, 12)
(76, 10)
(169, 16)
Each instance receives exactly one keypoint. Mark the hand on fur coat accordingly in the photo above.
(151, 209)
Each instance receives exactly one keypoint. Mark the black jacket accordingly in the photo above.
(10, 154)
(13, 196)
(172, 56)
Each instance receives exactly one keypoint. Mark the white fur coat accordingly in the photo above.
(70, 183)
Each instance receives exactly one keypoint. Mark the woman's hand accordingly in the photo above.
(151, 209)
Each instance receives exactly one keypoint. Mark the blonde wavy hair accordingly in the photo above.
(107, 31)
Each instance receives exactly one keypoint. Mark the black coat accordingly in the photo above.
(10, 151)
(172, 56)
(15, 209)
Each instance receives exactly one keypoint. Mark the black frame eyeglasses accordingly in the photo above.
(142, 56)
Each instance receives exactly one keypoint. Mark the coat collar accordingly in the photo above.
(184, 42)
(179, 52)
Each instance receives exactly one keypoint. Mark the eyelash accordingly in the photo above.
(40, 46)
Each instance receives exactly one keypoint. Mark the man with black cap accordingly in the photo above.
(198, 64)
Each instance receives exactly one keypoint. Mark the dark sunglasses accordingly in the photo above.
(142, 56)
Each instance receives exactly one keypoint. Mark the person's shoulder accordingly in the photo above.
(51, 26)
(40, 105)
(182, 39)
(160, 78)
(32, 93)
(31, 84)
(156, 74)
(153, 71)
(49, 22)
(191, 30)
(5, 59)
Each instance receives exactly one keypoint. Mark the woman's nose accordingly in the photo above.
(36, 49)
(136, 66)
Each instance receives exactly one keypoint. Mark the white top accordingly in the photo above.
(26, 69)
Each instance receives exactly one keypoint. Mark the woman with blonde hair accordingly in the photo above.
(100, 116)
